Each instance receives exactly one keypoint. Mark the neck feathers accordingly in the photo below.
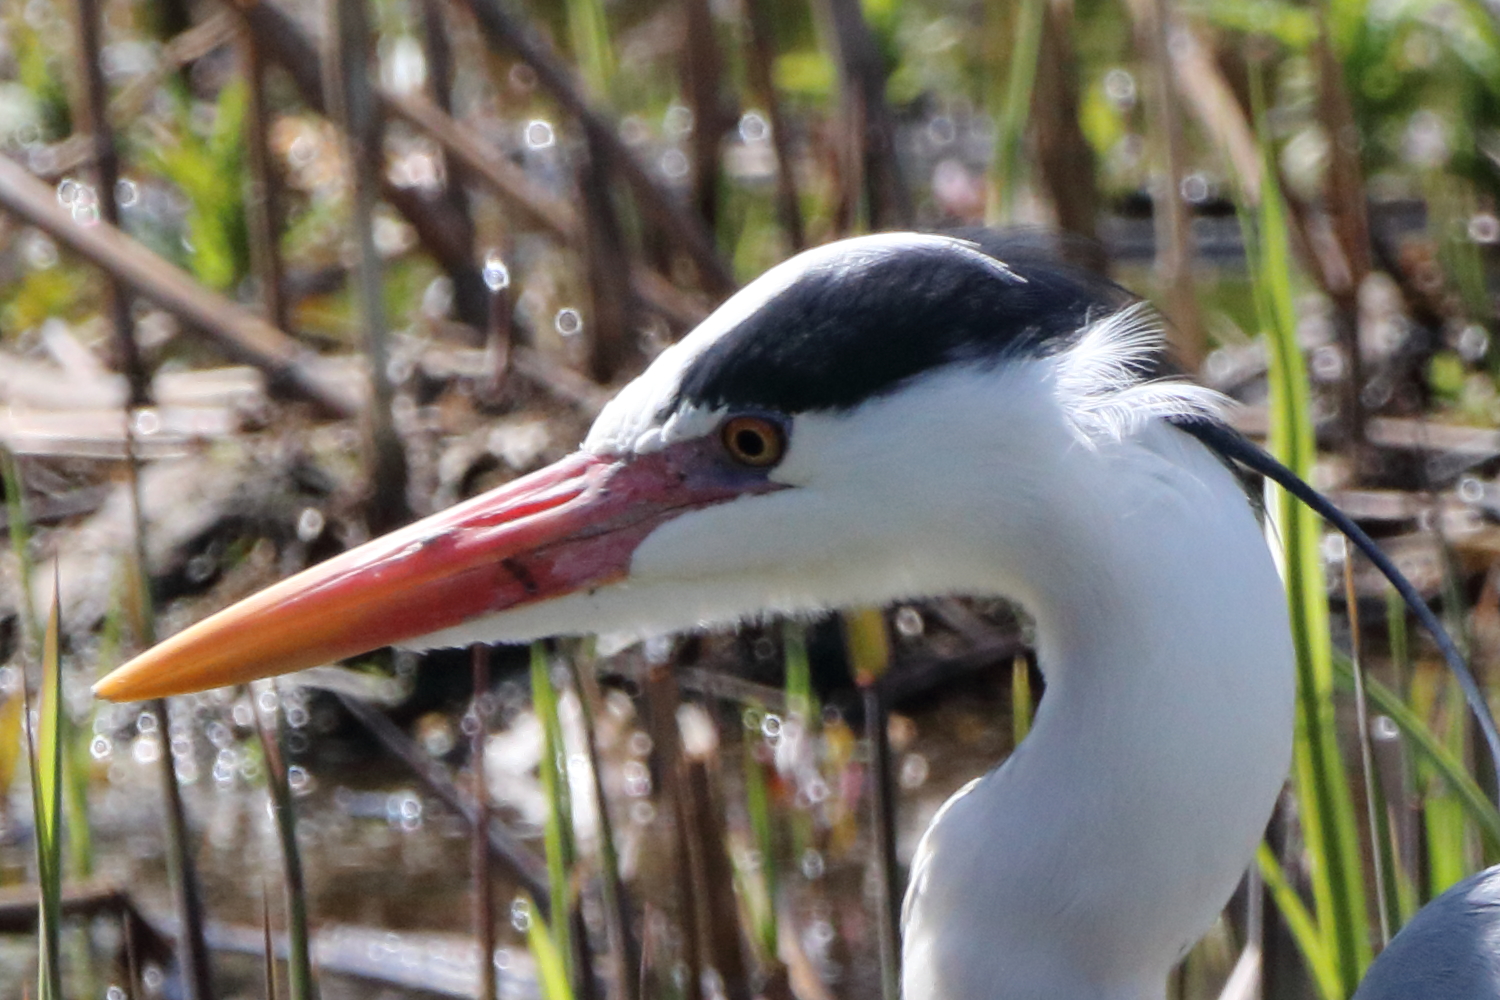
(1107, 844)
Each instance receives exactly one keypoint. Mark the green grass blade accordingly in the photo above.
(12, 716)
(1303, 926)
(588, 33)
(758, 809)
(558, 832)
(1380, 845)
(1015, 101)
(75, 788)
(551, 965)
(1020, 700)
(300, 982)
(800, 700)
(802, 706)
(1408, 899)
(1397, 638)
(73, 740)
(868, 644)
(1443, 822)
(616, 912)
(46, 801)
(269, 969)
(1430, 748)
(1326, 810)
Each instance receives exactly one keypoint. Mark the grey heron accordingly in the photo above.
(890, 417)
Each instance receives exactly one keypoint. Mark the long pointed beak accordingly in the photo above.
(571, 526)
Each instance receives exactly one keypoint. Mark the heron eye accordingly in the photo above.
(754, 441)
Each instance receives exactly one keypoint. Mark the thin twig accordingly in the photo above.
(1344, 200)
(883, 811)
(609, 321)
(18, 912)
(870, 134)
(91, 101)
(1174, 227)
(1366, 753)
(182, 874)
(868, 646)
(300, 983)
(438, 230)
(262, 196)
(192, 44)
(1065, 161)
(666, 751)
(484, 886)
(702, 82)
(130, 932)
(265, 923)
(759, 60)
(486, 163)
(720, 916)
(500, 335)
(616, 910)
(355, 110)
(469, 298)
(503, 27)
(1212, 101)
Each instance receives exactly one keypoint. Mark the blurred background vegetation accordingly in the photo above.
(275, 277)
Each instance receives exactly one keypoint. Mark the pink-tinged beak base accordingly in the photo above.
(571, 526)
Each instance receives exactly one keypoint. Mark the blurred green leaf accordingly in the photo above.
(1446, 374)
(551, 968)
(807, 74)
(1020, 700)
(1448, 765)
(209, 170)
(46, 803)
(868, 644)
(758, 808)
(558, 831)
(37, 68)
(59, 290)
(1303, 927)
(588, 32)
(300, 982)
(1293, 26)
(1103, 125)
(1326, 811)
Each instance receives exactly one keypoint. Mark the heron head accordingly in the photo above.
(815, 443)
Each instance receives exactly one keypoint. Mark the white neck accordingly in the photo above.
(1105, 846)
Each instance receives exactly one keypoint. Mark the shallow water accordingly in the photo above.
(388, 865)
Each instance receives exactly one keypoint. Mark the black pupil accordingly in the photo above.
(751, 444)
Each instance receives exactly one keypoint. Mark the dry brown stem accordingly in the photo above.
(503, 27)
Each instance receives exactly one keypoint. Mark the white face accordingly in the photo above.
(909, 495)
(949, 483)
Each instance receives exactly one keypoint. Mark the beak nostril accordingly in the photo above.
(521, 573)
